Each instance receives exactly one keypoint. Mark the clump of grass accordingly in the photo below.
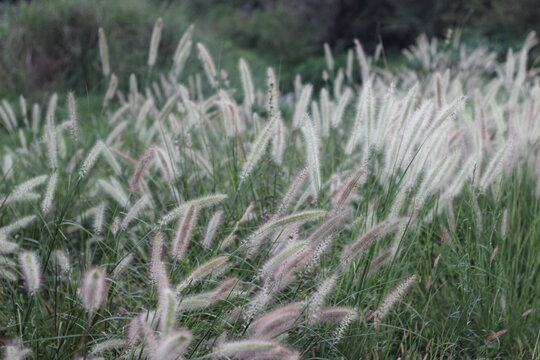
(292, 252)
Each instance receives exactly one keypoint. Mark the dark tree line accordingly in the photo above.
(396, 22)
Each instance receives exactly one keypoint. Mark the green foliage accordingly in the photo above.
(52, 45)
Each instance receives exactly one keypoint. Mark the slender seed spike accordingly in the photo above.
(172, 346)
(140, 169)
(104, 53)
(99, 217)
(243, 346)
(343, 325)
(182, 52)
(208, 64)
(349, 70)
(279, 142)
(156, 265)
(17, 225)
(51, 142)
(301, 106)
(167, 310)
(122, 265)
(326, 112)
(26, 187)
(391, 299)
(184, 232)
(167, 108)
(135, 210)
(312, 151)
(329, 57)
(90, 159)
(202, 202)
(364, 67)
(291, 193)
(62, 261)
(317, 299)
(275, 322)
(212, 227)
(273, 263)
(115, 190)
(340, 109)
(254, 240)
(247, 82)
(362, 243)
(154, 42)
(111, 90)
(72, 111)
(210, 267)
(6, 246)
(107, 345)
(111, 159)
(257, 149)
(49, 193)
(224, 289)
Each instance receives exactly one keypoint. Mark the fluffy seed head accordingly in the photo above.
(212, 266)
(141, 168)
(184, 232)
(317, 300)
(167, 310)
(208, 64)
(329, 57)
(301, 106)
(107, 345)
(312, 151)
(135, 210)
(172, 346)
(212, 227)
(93, 289)
(90, 160)
(111, 90)
(6, 246)
(49, 193)
(275, 322)
(17, 225)
(51, 142)
(62, 260)
(72, 112)
(247, 82)
(257, 149)
(31, 270)
(391, 299)
(224, 288)
(362, 243)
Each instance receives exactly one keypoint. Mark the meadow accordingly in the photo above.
(392, 213)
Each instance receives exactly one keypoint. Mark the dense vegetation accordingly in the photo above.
(393, 213)
(47, 46)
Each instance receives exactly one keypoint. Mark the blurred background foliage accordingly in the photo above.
(51, 45)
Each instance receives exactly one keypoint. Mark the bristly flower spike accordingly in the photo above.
(31, 270)
(93, 289)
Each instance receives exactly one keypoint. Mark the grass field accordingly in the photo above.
(389, 214)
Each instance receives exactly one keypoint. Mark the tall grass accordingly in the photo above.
(400, 221)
